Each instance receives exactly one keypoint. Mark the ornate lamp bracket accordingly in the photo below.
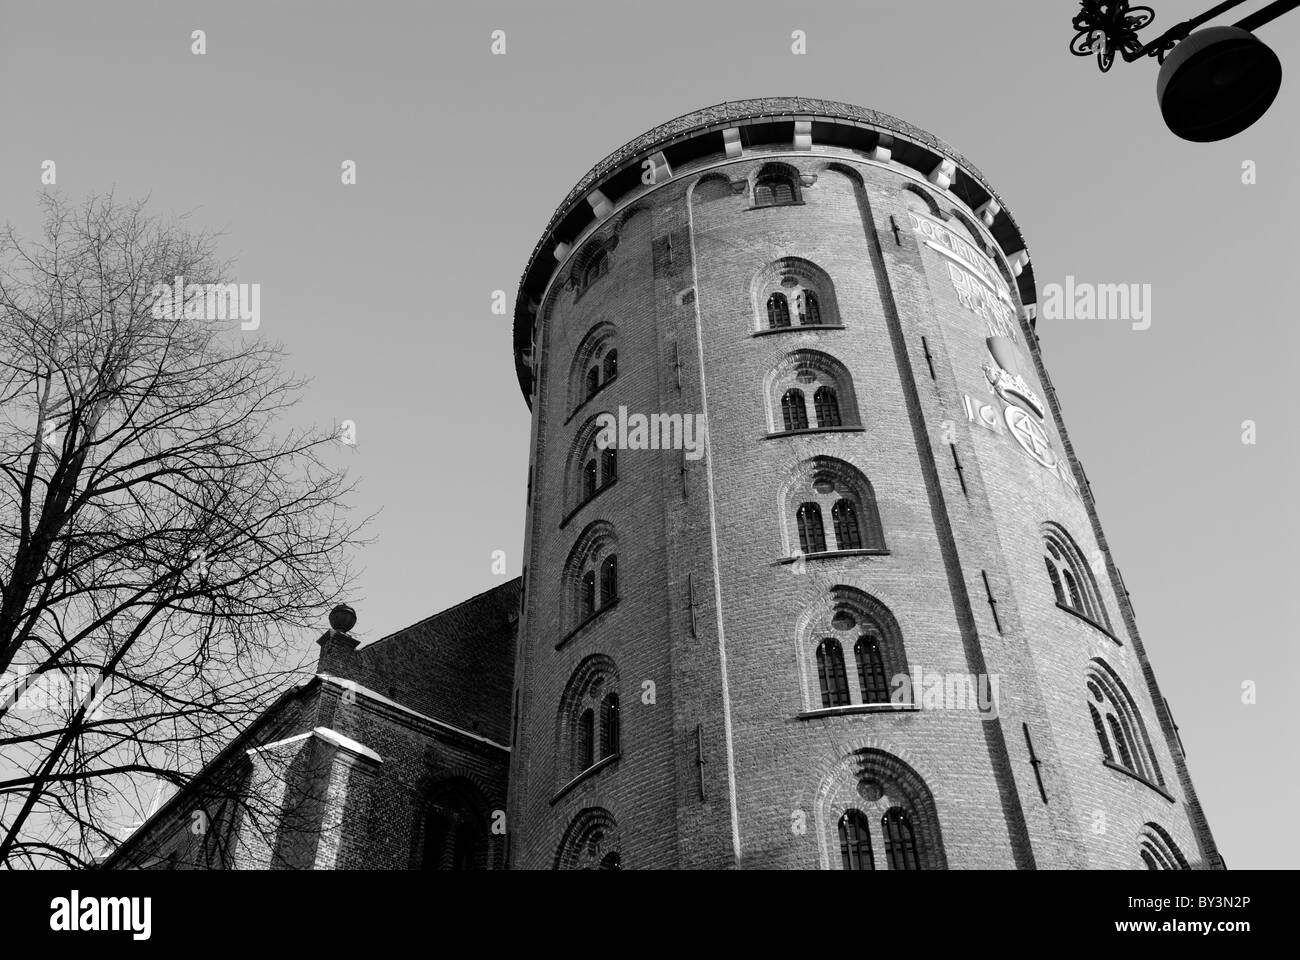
(1109, 26)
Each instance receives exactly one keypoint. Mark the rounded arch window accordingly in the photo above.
(594, 365)
(793, 293)
(775, 185)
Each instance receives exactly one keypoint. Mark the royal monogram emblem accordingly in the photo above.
(1030, 435)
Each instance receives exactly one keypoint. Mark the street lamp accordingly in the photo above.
(1214, 84)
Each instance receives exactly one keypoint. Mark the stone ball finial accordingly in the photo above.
(343, 618)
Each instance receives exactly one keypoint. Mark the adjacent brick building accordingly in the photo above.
(393, 756)
(842, 600)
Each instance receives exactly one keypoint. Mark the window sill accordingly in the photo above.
(1092, 623)
(833, 554)
(800, 433)
(586, 400)
(591, 771)
(1132, 775)
(853, 708)
(767, 332)
(770, 206)
(578, 509)
(586, 623)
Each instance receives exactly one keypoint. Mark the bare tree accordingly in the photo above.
(161, 532)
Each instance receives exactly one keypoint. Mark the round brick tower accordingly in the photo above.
(814, 578)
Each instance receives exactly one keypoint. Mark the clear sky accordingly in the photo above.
(381, 291)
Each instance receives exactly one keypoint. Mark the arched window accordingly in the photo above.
(1119, 726)
(812, 535)
(810, 313)
(586, 739)
(589, 468)
(855, 841)
(827, 408)
(882, 672)
(792, 288)
(1055, 577)
(591, 842)
(778, 311)
(597, 267)
(1097, 725)
(848, 535)
(871, 669)
(589, 577)
(1075, 599)
(1121, 742)
(439, 828)
(609, 726)
(588, 721)
(455, 837)
(1116, 743)
(900, 840)
(1159, 852)
(805, 379)
(837, 489)
(774, 187)
(608, 580)
(591, 356)
(794, 412)
(830, 672)
(1071, 579)
(889, 796)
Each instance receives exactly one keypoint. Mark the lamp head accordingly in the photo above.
(1216, 83)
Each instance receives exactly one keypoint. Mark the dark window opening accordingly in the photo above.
(900, 842)
(812, 535)
(827, 407)
(773, 189)
(855, 841)
(831, 674)
(608, 581)
(871, 670)
(609, 726)
(794, 412)
(848, 534)
(778, 311)
(588, 594)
